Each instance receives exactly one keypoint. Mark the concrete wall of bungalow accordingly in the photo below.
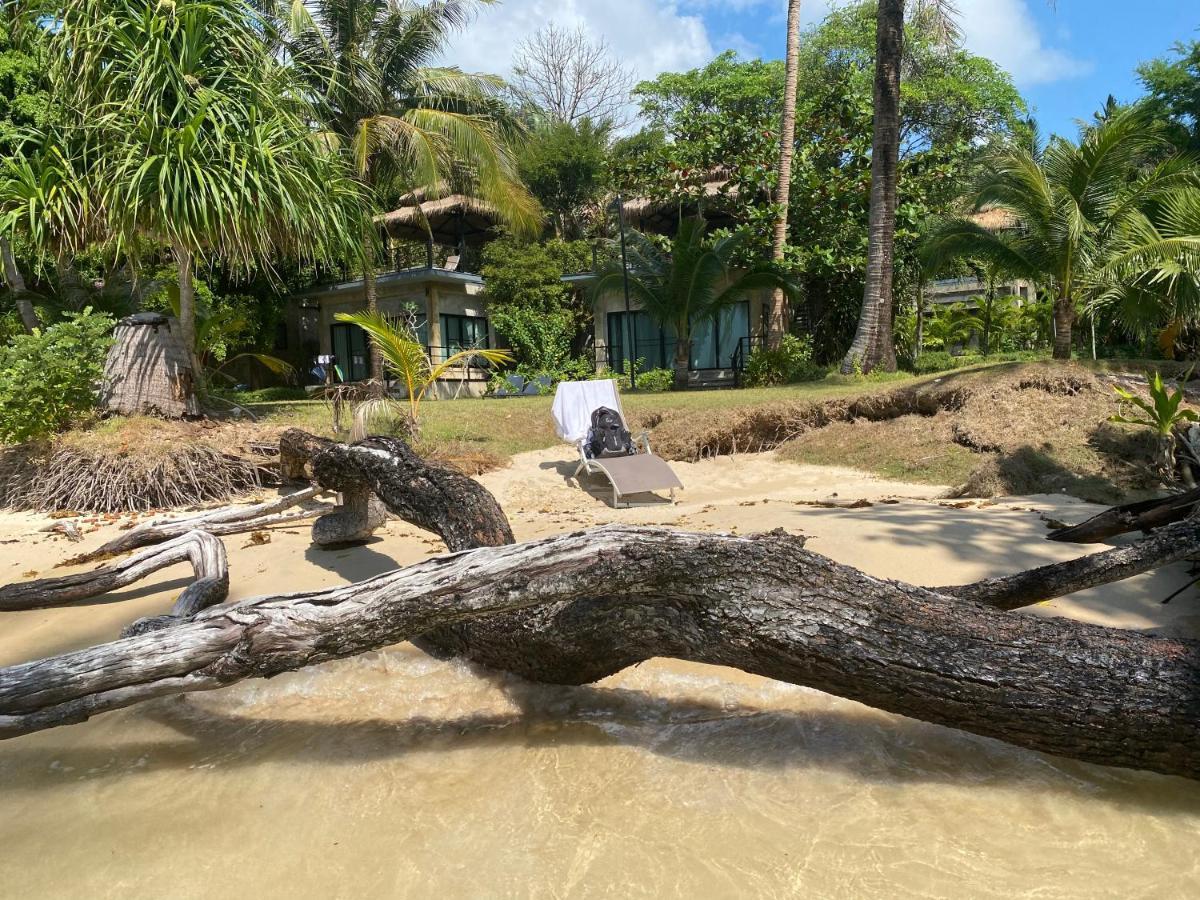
(946, 291)
(447, 309)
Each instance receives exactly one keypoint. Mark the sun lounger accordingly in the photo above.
(641, 473)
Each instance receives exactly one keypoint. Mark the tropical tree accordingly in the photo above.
(404, 356)
(1082, 210)
(183, 130)
(406, 124)
(777, 324)
(690, 284)
(873, 345)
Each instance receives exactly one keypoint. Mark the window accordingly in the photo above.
(655, 346)
(715, 341)
(464, 332)
(351, 352)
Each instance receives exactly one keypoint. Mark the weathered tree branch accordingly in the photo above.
(227, 520)
(1168, 545)
(764, 605)
(578, 607)
(202, 550)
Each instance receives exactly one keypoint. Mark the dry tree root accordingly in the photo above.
(229, 520)
(577, 607)
(205, 552)
(66, 477)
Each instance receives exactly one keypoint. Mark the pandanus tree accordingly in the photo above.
(689, 284)
(1085, 216)
(185, 130)
(406, 124)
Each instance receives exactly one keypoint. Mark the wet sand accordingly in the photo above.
(393, 774)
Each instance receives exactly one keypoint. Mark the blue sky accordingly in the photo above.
(1065, 57)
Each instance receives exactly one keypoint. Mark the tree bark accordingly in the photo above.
(16, 284)
(575, 608)
(919, 339)
(371, 294)
(683, 351)
(1064, 318)
(777, 321)
(873, 346)
(202, 550)
(187, 301)
(764, 605)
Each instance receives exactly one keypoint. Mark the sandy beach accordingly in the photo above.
(391, 772)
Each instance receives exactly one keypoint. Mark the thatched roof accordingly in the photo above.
(450, 220)
(661, 216)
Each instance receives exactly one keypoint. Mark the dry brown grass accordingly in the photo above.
(1017, 429)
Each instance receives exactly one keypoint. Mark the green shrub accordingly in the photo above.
(790, 363)
(650, 381)
(940, 361)
(48, 379)
(265, 395)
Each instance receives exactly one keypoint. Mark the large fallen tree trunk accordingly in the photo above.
(575, 608)
(764, 605)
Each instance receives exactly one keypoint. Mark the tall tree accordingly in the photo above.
(25, 105)
(1084, 214)
(408, 125)
(777, 324)
(1173, 85)
(569, 76)
(873, 346)
(184, 131)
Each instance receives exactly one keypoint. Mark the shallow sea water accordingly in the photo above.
(396, 775)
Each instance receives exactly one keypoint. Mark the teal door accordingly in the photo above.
(351, 352)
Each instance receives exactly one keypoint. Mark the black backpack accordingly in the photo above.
(607, 436)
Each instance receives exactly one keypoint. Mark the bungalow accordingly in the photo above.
(446, 303)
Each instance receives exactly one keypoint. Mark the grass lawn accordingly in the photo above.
(516, 424)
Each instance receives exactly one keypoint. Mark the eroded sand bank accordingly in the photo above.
(394, 774)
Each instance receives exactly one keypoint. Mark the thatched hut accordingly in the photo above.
(149, 370)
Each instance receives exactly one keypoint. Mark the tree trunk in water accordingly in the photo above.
(873, 346)
(777, 321)
(683, 352)
(574, 608)
(16, 284)
(371, 293)
(1064, 318)
(187, 302)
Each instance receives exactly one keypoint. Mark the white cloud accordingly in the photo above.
(648, 35)
(1005, 32)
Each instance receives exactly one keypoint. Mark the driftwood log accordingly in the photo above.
(575, 608)
(205, 553)
(227, 520)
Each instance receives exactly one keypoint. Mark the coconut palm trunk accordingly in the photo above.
(16, 284)
(777, 320)
(187, 297)
(873, 346)
(1064, 318)
(683, 352)
(371, 295)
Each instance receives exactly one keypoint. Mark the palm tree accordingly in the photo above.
(406, 358)
(1077, 208)
(185, 131)
(407, 125)
(690, 284)
(777, 325)
(873, 345)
